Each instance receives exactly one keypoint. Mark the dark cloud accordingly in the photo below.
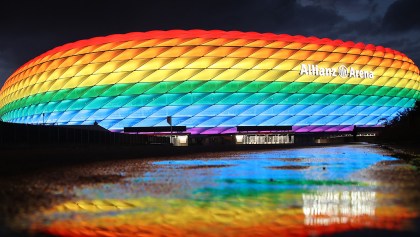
(29, 28)
(403, 15)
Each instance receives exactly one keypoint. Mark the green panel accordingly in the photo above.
(186, 86)
(370, 90)
(80, 104)
(343, 99)
(343, 89)
(164, 99)
(232, 86)
(210, 86)
(357, 100)
(95, 91)
(327, 89)
(312, 99)
(393, 101)
(393, 92)
(253, 86)
(235, 98)
(139, 88)
(31, 110)
(76, 93)
(357, 90)
(212, 98)
(63, 105)
(382, 101)
(401, 102)
(256, 98)
(310, 88)
(186, 99)
(328, 99)
(293, 87)
(98, 102)
(382, 91)
(370, 100)
(403, 93)
(162, 87)
(49, 108)
(116, 90)
(47, 96)
(141, 100)
(118, 102)
(275, 99)
(60, 95)
(294, 99)
(274, 87)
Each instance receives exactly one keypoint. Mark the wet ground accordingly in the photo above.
(347, 190)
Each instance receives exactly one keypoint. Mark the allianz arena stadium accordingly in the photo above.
(212, 82)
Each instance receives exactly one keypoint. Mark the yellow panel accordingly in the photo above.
(129, 54)
(379, 71)
(107, 56)
(58, 84)
(91, 80)
(263, 53)
(367, 52)
(171, 42)
(301, 55)
(151, 52)
(229, 74)
(380, 81)
(175, 51)
(251, 75)
(67, 53)
(178, 63)
(202, 63)
(327, 48)
(126, 45)
(246, 63)
(268, 63)
(400, 73)
(131, 65)
(283, 53)
(341, 49)
(113, 78)
(386, 62)
(198, 51)
(390, 72)
(238, 42)
(185, 74)
(158, 76)
(379, 54)
(272, 75)
(221, 51)
(338, 80)
(242, 52)
(334, 57)
(225, 63)
(354, 81)
(73, 82)
(56, 74)
(290, 76)
(54, 64)
(72, 71)
(311, 47)
(402, 82)
(294, 45)
(349, 58)
(70, 61)
(368, 68)
(194, 42)
(288, 64)
(45, 87)
(217, 42)
(355, 51)
(109, 67)
(258, 43)
(89, 69)
(277, 44)
(362, 60)
(300, 78)
(392, 82)
(318, 56)
(87, 58)
(135, 76)
(375, 61)
(155, 63)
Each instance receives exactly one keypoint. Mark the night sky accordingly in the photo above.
(30, 28)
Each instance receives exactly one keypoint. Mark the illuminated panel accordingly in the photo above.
(211, 82)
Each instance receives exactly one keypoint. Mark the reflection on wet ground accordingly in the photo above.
(291, 192)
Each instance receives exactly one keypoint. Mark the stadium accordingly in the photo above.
(212, 82)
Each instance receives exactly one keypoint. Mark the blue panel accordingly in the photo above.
(253, 110)
(255, 121)
(101, 114)
(275, 110)
(354, 119)
(214, 110)
(121, 113)
(167, 111)
(191, 110)
(310, 120)
(149, 122)
(66, 116)
(194, 121)
(82, 115)
(292, 120)
(235, 121)
(107, 123)
(355, 110)
(235, 110)
(144, 112)
(368, 110)
(125, 123)
(335, 110)
(310, 110)
(53, 117)
(276, 120)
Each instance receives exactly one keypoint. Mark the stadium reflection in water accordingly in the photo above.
(294, 192)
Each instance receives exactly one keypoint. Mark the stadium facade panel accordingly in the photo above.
(211, 82)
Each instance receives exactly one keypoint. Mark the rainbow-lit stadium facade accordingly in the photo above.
(211, 82)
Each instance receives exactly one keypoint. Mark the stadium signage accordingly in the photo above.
(342, 71)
